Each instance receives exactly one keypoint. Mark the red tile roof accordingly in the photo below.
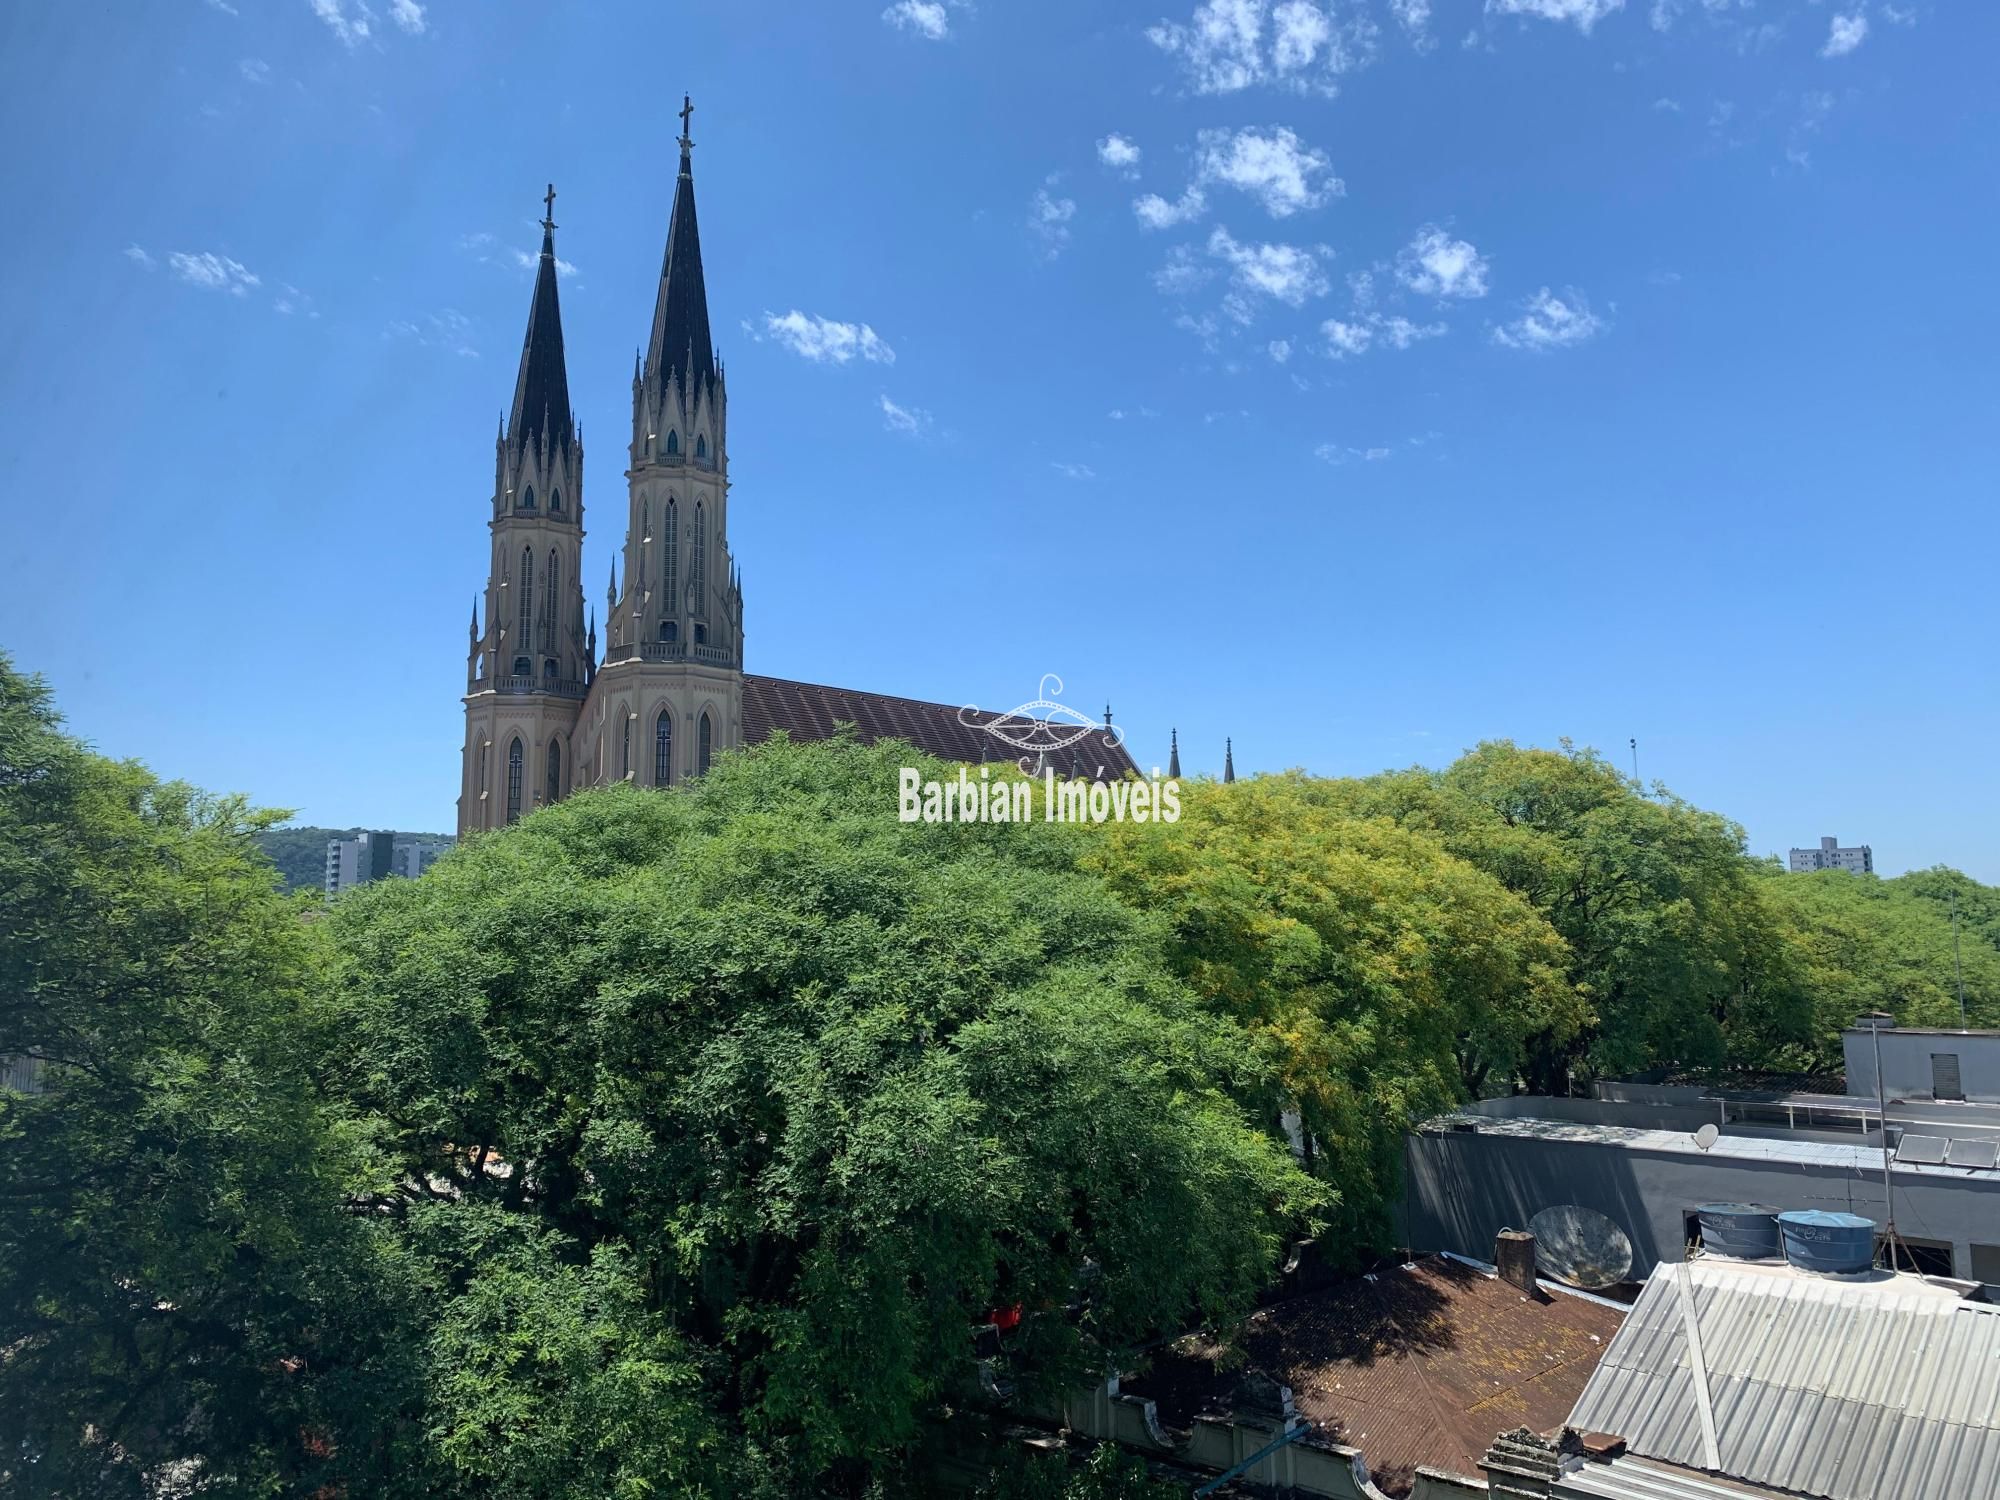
(808, 711)
(1425, 1365)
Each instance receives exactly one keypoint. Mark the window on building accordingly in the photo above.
(700, 634)
(528, 498)
(523, 667)
(698, 572)
(669, 631)
(514, 781)
(555, 771)
(663, 748)
(549, 606)
(479, 753)
(527, 610)
(702, 745)
(670, 555)
(1925, 1257)
(555, 501)
(549, 670)
(701, 445)
(1986, 1264)
(625, 751)
(673, 444)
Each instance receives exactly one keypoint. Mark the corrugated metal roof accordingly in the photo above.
(1630, 1478)
(1851, 1390)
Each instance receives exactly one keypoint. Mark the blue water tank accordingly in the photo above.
(1748, 1231)
(1819, 1241)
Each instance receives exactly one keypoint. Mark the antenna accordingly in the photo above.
(1581, 1246)
(1708, 1135)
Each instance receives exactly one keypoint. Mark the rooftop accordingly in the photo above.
(1419, 1364)
(1847, 1388)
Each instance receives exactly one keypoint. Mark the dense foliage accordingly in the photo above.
(675, 1143)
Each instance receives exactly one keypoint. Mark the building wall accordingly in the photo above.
(1907, 1068)
(1859, 860)
(1461, 1189)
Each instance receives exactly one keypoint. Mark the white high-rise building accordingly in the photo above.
(1830, 856)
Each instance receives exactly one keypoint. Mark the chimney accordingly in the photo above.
(1514, 1257)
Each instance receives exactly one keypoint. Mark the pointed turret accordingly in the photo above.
(541, 413)
(1228, 760)
(1174, 753)
(680, 345)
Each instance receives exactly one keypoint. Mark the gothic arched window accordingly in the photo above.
(527, 619)
(549, 606)
(528, 498)
(698, 573)
(701, 445)
(669, 631)
(673, 444)
(480, 750)
(670, 555)
(514, 780)
(523, 667)
(555, 770)
(700, 634)
(663, 748)
(555, 500)
(702, 747)
(625, 750)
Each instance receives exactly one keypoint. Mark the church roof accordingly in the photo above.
(680, 315)
(541, 389)
(809, 711)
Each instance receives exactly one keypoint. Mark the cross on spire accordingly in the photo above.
(687, 108)
(549, 207)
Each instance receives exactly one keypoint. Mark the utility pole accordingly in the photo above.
(1882, 1110)
(1634, 743)
(1957, 971)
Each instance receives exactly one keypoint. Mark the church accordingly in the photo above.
(545, 713)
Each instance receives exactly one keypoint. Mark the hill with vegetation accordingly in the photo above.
(300, 853)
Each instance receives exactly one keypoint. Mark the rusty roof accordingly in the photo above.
(1415, 1365)
(810, 711)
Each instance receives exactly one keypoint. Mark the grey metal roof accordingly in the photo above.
(1868, 1389)
(1629, 1478)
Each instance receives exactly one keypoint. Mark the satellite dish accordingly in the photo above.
(1707, 1136)
(1579, 1245)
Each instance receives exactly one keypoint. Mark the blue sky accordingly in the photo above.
(1356, 378)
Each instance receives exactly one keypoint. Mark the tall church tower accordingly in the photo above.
(669, 694)
(529, 669)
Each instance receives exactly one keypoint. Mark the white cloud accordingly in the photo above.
(909, 420)
(352, 30)
(254, 70)
(1358, 334)
(1584, 14)
(926, 18)
(1288, 273)
(1118, 152)
(1897, 16)
(1156, 213)
(137, 255)
(1227, 45)
(1336, 454)
(528, 260)
(1181, 273)
(1846, 33)
(408, 15)
(1280, 350)
(1276, 169)
(216, 273)
(1667, 106)
(1074, 471)
(224, 6)
(450, 329)
(1415, 17)
(1436, 265)
(1551, 322)
(291, 300)
(824, 341)
(1049, 218)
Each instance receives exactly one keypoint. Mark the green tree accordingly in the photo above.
(1668, 940)
(1860, 944)
(1384, 978)
(825, 1086)
(169, 1224)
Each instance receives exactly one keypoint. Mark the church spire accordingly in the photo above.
(541, 390)
(1174, 753)
(1228, 760)
(680, 340)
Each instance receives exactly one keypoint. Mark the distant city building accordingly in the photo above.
(374, 856)
(414, 856)
(1830, 856)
